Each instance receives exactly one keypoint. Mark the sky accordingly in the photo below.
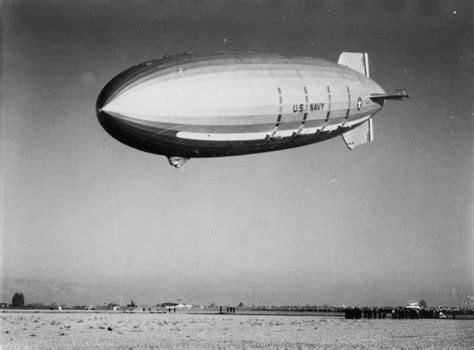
(388, 223)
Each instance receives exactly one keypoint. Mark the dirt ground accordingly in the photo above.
(145, 330)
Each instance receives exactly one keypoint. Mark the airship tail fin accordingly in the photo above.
(361, 134)
(358, 61)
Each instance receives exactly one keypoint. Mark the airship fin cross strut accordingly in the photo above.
(191, 106)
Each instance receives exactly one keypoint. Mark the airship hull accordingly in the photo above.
(215, 105)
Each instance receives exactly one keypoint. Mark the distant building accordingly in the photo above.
(167, 303)
(113, 306)
(414, 306)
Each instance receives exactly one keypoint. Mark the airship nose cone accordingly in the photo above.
(111, 108)
(106, 119)
(104, 96)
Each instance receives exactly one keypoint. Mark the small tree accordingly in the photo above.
(18, 300)
(241, 305)
(423, 303)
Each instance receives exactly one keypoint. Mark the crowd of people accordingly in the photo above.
(365, 312)
(228, 310)
(398, 313)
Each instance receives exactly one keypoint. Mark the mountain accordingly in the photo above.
(60, 293)
(76, 293)
(72, 293)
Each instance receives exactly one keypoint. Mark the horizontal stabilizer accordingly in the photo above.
(362, 134)
(357, 61)
(399, 94)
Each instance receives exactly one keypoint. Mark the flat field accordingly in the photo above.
(184, 330)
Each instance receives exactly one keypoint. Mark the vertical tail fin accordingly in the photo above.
(361, 134)
(358, 61)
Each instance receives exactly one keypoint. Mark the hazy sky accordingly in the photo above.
(387, 223)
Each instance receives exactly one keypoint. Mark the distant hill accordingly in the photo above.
(62, 293)
(192, 291)
(76, 293)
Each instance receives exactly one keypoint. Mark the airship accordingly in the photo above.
(225, 104)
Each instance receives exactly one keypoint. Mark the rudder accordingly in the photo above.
(361, 134)
(358, 61)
